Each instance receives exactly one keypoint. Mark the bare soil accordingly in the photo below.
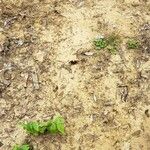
(49, 65)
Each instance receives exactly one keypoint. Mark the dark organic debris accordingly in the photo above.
(1, 48)
(136, 133)
(123, 90)
(55, 88)
(6, 47)
(145, 37)
(2, 87)
(1, 144)
(147, 113)
(73, 62)
(11, 43)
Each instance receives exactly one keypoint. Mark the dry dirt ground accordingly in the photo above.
(45, 70)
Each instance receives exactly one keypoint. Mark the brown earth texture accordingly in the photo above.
(49, 65)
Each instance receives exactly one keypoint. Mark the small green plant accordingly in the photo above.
(100, 43)
(110, 43)
(113, 42)
(132, 44)
(35, 128)
(54, 126)
(21, 147)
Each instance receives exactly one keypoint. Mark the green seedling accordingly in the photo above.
(100, 43)
(110, 43)
(21, 147)
(113, 42)
(112, 49)
(132, 44)
(35, 128)
(54, 126)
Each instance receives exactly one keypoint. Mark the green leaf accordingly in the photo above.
(42, 127)
(22, 147)
(35, 127)
(59, 121)
(100, 43)
(52, 126)
(56, 126)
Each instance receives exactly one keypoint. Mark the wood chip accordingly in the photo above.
(25, 78)
(94, 97)
(109, 103)
(88, 53)
(35, 81)
(126, 146)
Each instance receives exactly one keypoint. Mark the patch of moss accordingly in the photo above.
(111, 43)
(133, 44)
